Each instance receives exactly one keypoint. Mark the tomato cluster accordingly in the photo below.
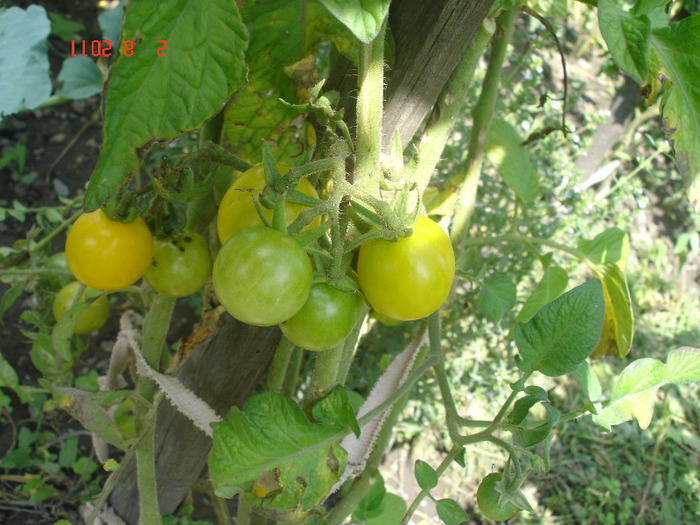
(261, 275)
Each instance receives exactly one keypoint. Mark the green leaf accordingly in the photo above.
(363, 17)
(273, 433)
(69, 452)
(527, 437)
(654, 9)
(371, 504)
(522, 406)
(552, 285)
(10, 379)
(336, 410)
(391, 511)
(9, 298)
(496, 297)
(609, 246)
(153, 97)
(284, 32)
(92, 416)
(627, 38)
(635, 390)
(81, 78)
(64, 28)
(504, 149)
(588, 381)
(678, 45)
(450, 512)
(24, 64)
(563, 333)
(379, 507)
(426, 476)
(618, 327)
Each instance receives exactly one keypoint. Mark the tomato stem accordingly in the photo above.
(515, 238)
(451, 415)
(155, 330)
(370, 107)
(482, 115)
(450, 103)
(280, 363)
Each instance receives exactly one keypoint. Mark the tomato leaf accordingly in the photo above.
(627, 37)
(618, 327)
(496, 297)
(379, 507)
(588, 381)
(527, 437)
(450, 512)
(522, 406)
(551, 286)
(504, 149)
(283, 33)
(336, 409)
(678, 45)
(635, 389)
(153, 97)
(563, 333)
(91, 415)
(272, 432)
(609, 246)
(426, 476)
(363, 17)
(9, 298)
(10, 379)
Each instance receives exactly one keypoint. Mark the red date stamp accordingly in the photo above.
(96, 48)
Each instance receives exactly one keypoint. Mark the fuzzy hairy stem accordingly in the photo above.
(369, 114)
(482, 115)
(449, 105)
(155, 329)
(362, 483)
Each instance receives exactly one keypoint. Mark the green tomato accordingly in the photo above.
(487, 497)
(410, 278)
(326, 319)
(91, 318)
(262, 276)
(180, 265)
(57, 261)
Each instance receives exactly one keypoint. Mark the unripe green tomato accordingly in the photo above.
(326, 319)
(91, 318)
(180, 264)
(262, 276)
(487, 497)
(58, 261)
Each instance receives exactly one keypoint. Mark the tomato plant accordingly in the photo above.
(487, 497)
(91, 318)
(326, 319)
(108, 255)
(262, 276)
(411, 277)
(180, 266)
(237, 211)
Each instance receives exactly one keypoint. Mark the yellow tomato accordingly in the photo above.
(237, 210)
